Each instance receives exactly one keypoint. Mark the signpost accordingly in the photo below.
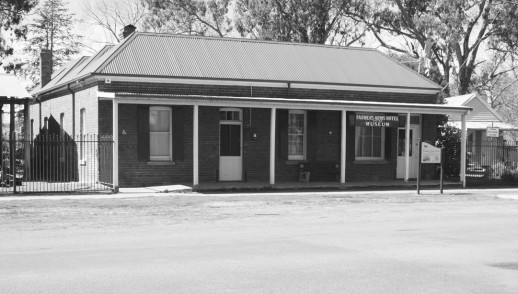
(429, 154)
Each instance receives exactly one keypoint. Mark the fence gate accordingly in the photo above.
(56, 163)
(492, 161)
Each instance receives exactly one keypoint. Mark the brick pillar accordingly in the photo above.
(45, 67)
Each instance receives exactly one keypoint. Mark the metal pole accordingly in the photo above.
(441, 183)
(12, 146)
(419, 168)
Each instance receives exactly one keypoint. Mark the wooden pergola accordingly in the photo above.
(13, 93)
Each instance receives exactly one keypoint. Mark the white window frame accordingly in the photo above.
(170, 156)
(356, 145)
(305, 136)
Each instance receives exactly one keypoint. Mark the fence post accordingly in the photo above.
(13, 160)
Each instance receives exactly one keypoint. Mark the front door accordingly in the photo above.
(413, 145)
(230, 142)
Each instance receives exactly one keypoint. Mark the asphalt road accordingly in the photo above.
(460, 242)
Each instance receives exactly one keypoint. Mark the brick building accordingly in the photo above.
(189, 109)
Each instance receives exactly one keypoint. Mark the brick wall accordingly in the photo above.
(256, 152)
(53, 108)
(271, 92)
(134, 173)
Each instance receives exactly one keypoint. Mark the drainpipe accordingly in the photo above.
(73, 111)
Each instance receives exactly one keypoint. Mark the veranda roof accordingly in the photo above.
(266, 102)
(195, 57)
(11, 90)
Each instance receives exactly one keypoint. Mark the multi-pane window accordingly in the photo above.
(370, 143)
(230, 132)
(82, 121)
(160, 133)
(297, 135)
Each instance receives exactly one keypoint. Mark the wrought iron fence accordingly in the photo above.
(56, 163)
(493, 161)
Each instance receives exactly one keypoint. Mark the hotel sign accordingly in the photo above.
(377, 120)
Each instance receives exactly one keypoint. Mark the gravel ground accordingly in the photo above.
(366, 242)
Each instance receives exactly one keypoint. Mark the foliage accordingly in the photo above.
(113, 16)
(510, 173)
(306, 21)
(449, 138)
(447, 34)
(11, 14)
(193, 17)
(50, 29)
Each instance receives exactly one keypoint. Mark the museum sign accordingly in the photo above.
(376, 120)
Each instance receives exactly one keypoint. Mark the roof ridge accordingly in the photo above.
(235, 39)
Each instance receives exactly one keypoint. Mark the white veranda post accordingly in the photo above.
(272, 145)
(407, 147)
(115, 133)
(342, 150)
(195, 165)
(463, 150)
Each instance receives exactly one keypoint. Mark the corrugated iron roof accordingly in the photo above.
(179, 56)
(10, 87)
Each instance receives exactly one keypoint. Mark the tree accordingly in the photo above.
(50, 29)
(193, 17)
(11, 14)
(307, 21)
(451, 33)
(113, 16)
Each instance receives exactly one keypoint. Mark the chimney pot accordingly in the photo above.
(128, 30)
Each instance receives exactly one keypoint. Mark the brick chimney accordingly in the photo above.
(128, 30)
(45, 67)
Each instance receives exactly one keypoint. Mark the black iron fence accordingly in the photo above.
(493, 161)
(56, 163)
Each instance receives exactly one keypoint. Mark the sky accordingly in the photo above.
(89, 32)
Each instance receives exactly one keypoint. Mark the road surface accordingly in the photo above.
(397, 242)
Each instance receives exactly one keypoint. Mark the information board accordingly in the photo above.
(492, 132)
(430, 153)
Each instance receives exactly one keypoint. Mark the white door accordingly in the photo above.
(230, 143)
(415, 135)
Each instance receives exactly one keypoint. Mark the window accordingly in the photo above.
(160, 139)
(82, 121)
(370, 143)
(61, 122)
(297, 135)
(230, 132)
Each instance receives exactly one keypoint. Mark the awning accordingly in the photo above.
(478, 125)
(11, 91)
(291, 103)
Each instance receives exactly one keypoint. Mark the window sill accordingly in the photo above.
(295, 162)
(161, 162)
(377, 161)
